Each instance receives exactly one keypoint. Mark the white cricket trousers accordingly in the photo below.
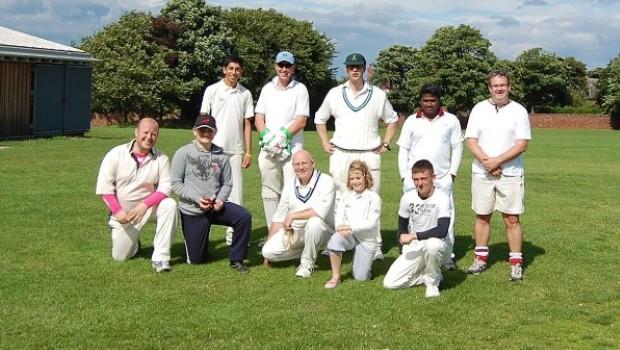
(420, 263)
(273, 175)
(125, 236)
(445, 185)
(314, 232)
(236, 195)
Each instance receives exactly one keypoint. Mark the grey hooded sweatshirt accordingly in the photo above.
(197, 172)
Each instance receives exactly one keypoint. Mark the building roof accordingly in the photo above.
(18, 46)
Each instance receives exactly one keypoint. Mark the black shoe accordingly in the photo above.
(240, 266)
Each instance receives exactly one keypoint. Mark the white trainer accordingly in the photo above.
(516, 272)
(161, 266)
(378, 255)
(304, 271)
(432, 291)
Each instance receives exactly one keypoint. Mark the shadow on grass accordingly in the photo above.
(389, 240)
(218, 250)
(462, 245)
(498, 252)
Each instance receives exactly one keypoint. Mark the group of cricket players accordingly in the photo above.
(309, 212)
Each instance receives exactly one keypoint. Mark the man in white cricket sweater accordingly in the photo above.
(357, 107)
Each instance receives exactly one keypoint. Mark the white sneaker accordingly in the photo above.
(161, 266)
(304, 271)
(516, 272)
(378, 255)
(432, 291)
(477, 267)
(229, 234)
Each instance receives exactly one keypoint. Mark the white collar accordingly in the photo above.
(290, 84)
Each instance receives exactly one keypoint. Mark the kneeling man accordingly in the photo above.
(304, 218)
(423, 221)
(134, 182)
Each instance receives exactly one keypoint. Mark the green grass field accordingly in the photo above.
(59, 287)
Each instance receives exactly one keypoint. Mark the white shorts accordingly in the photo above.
(505, 194)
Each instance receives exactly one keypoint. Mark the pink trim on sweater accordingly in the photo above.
(139, 157)
(154, 199)
(112, 202)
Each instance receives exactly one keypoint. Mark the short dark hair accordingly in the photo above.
(497, 73)
(431, 89)
(422, 165)
(233, 59)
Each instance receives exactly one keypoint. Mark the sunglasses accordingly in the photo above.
(284, 65)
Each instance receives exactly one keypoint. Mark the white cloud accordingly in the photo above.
(588, 30)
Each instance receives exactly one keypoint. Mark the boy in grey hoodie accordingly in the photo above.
(202, 177)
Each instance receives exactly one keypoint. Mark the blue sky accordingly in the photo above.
(588, 30)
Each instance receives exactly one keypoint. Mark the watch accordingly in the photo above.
(387, 145)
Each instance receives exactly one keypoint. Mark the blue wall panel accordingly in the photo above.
(77, 99)
(48, 109)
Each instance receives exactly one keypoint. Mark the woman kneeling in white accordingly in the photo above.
(357, 218)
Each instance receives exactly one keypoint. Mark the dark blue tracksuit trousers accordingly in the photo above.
(196, 229)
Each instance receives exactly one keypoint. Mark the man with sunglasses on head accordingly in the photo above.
(357, 107)
(281, 113)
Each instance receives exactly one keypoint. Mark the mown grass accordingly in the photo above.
(59, 287)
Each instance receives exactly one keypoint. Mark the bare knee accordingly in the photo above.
(483, 219)
(511, 220)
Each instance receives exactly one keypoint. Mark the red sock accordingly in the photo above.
(482, 252)
(515, 258)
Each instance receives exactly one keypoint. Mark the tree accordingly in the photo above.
(577, 75)
(510, 67)
(390, 72)
(544, 79)
(201, 44)
(609, 87)
(458, 59)
(260, 34)
(131, 73)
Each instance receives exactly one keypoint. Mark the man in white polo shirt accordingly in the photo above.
(497, 134)
(231, 105)
(281, 113)
(134, 183)
(357, 107)
(435, 135)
